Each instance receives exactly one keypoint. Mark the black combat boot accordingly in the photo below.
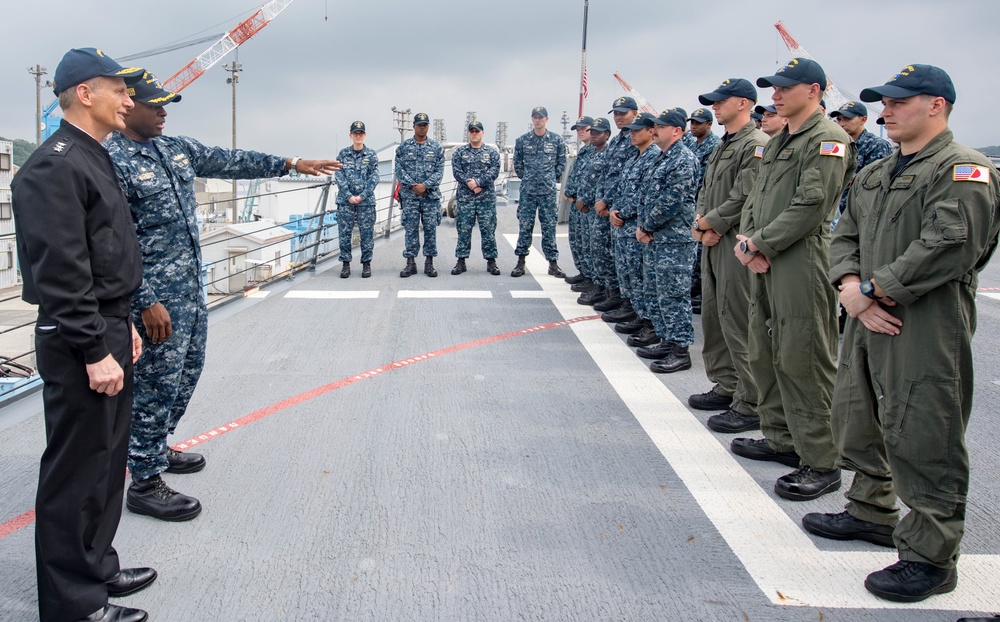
(429, 267)
(576, 278)
(366, 269)
(410, 269)
(624, 313)
(459, 266)
(555, 270)
(631, 327)
(491, 267)
(612, 302)
(346, 270)
(645, 337)
(679, 359)
(594, 296)
(583, 286)
(519, 268)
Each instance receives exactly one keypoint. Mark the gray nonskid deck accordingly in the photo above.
(513, 480)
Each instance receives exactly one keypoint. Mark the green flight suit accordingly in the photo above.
(792, 345)
(725, 283)
(902, 403)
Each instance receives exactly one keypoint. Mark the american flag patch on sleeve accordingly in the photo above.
(830, 148)
(758, 152)
(971, 172)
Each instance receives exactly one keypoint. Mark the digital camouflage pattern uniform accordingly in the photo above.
(539, 161)
(618, 151)
(667, 211)
(729, 176)
(635, 177)
(601, 246)
(870, 148)
(420, 163)
(902, 403)
(358, 177)
(580, 222)
(793, 318)
(157, 178)
(483, 165)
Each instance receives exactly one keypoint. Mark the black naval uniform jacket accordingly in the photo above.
(76, 242)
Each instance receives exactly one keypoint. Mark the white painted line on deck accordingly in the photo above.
(528, 293)
(990, 295)
(781, 558)
(443, 293)
(260, 293)
(332, 295)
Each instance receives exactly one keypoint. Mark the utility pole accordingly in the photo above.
(38, 71)
(234, 68)
(402, 123)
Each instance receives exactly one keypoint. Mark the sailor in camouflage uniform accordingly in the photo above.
(666, 212)
(617, 153)
(476, 167)
(356, 183)
(624, 216)
(702, 145)
(419, 170)
(600, 251)
(852, 117)
(579, 221)
(157, 176)
(539, 160)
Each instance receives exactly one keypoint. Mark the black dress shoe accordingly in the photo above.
(366, 270)
(645, 337)
(184, 462)
(806, 484)
(732, 421)
(911, 582)
(760, 449)
(710, 401)
(116, 613)
(576, 278)
(594, 296)
(624, 313)
(555, 270)
(346, 270)
(678, 360)
(153, 497)
(631, 327)
(843, 526)
(659, 351)
(130, 581)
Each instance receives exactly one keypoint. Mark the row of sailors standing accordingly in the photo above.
(916, 226)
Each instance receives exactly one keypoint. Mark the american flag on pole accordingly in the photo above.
(585, 91)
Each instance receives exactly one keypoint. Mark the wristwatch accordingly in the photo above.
(745, 248)
(294, 161)
(868, 289)
(695, 225)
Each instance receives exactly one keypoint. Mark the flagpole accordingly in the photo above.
(583, 58)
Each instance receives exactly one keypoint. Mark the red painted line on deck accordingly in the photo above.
(19, 522)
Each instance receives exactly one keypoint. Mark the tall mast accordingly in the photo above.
(583, 59)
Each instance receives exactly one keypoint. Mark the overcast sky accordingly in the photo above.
(306, 78)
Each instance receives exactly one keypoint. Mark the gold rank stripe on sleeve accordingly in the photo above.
(971, 172)
(758, 152)
(831, 148)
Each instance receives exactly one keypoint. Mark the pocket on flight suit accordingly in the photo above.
(795, 345)
(920, 426)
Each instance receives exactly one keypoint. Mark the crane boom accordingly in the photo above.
(643, 103)
(229, 42)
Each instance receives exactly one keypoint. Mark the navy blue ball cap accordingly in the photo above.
(757, 116)
(539, 111)
(149, 91)
(357, 126)
(81, 64)
(880, 121)
(850, 110)
(476, 125)
(623, 104)
(796, 71)
(421, 118)
(822, 104)
(642, 121)
(913, 80)
(701, 115)
(600, 124)
(733, 87)
(673, 117)
(583, 121)
(768, 108)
